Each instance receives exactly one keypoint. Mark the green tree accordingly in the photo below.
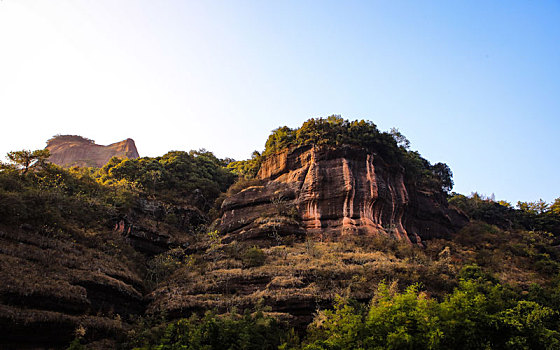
(444, 175)
(401, 140)
(536, 207)
(26, 159)
(247, 169)
(555, 207)
(279, 139)
(196, 175)
(394, 321)
(232, 331)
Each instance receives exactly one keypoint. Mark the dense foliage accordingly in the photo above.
(41, 194)
(479, 314)
(534, 216)
(226, 332)
(52, 198)
(334, 131)
(196, 176)
(249, 168)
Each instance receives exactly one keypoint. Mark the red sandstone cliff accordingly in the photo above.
(332, 192)
(69, 150)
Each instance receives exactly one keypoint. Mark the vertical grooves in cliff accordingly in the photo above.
(338, 191)
(348, 208)
(311, 216)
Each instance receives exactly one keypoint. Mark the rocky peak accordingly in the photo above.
(329, 192)
(73, 150)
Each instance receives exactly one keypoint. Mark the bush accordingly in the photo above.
(534, 216)
(53, 197)
(242, 184)
(253, 257)
(163, 265)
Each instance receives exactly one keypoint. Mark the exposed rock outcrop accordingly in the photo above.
(331, 192)
(153, 226)
(70, 150)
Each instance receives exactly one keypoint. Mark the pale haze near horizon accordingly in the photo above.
(475, 85)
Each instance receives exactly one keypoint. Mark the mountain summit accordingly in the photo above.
(73, 150)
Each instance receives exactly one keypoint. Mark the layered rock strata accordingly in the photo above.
(332, 192)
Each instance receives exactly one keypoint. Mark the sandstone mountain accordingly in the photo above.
(111, 257)
(71, 150)
(304, 201)
(329, 192)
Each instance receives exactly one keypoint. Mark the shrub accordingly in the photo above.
(253, 257)
(163, 265)
(242, 184)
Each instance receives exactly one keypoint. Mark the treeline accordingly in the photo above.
(42, 195)
(196, 176)
(38, 193)
(334, 131)
(68, 138)
(532, 216)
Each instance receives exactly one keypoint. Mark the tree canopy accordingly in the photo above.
(196, 175)
(27, 159)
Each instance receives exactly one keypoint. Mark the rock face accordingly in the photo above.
(149, 230)
(332, 192)
(70, 150)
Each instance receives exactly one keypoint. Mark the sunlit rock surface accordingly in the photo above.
(70, 150)
(332, 192)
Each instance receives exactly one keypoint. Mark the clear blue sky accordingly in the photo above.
(475, 84)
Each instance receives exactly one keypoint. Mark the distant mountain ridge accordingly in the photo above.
(74, 150)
